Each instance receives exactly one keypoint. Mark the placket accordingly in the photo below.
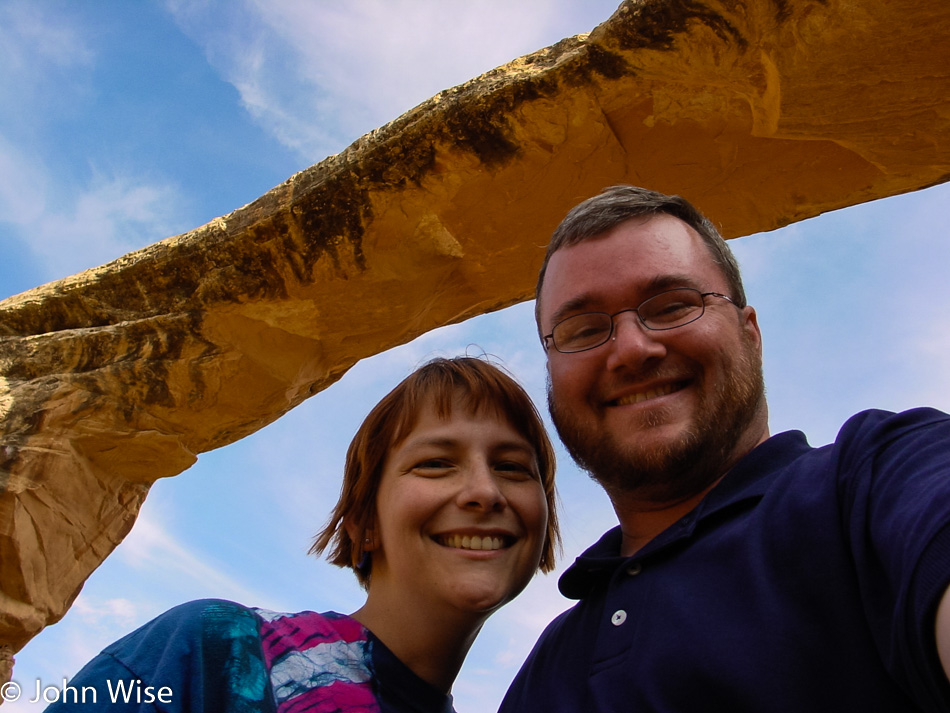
(628, 598)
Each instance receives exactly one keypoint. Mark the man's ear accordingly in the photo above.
(750, 324)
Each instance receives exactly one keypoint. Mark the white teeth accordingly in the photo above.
(473, 542)
(645, 395)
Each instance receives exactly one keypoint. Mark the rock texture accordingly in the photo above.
(6, 664)
(763, 112)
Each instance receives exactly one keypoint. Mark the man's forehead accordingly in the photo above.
(661, 244)
(661, 231)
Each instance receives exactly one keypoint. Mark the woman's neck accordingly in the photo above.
(432, 644)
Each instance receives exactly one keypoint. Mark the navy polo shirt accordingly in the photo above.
(806, 580)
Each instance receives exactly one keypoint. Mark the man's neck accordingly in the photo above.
(641, 520)
(643, 517)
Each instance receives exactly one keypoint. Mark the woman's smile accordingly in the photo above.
(475, 542)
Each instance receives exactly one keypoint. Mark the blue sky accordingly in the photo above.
(125, 122)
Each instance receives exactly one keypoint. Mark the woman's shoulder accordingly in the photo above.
(192, 621)
(203, 655)
(207, 609)
(220, 619)
(310, 628)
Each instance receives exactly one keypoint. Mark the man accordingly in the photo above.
(747, 573)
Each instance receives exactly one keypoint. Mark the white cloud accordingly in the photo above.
(22, 186)
(318, 75)
(38, 50)
(68, 227)
(152, 548)
(90, 225)
(34, 39)
(930, 353)
(110, 217)
(93, 612)
(96, 622)
(44, 61)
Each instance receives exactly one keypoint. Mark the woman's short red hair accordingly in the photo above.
(481, 386)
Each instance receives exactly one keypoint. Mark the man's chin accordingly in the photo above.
(648, 468)
(645, 420)
(656, 459)
(655, 451)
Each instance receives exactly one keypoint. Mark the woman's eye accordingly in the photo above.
(515, 469)
(433, 464)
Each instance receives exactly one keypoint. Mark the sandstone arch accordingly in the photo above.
(120, 375)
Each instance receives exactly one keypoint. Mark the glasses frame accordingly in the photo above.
(548, 339)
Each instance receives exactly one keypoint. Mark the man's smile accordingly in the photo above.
(652, 392)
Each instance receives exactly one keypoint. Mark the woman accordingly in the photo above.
(446, 512)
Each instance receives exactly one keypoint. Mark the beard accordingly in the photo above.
(683, 466)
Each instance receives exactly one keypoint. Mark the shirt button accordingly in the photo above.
(634, 569)
(618, 617)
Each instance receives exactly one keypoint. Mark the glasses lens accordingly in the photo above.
(582, 331)
(672, 308)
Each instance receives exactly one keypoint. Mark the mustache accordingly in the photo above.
(654, 373)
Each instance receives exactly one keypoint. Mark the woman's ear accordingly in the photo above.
(370, 542)
(363, 540)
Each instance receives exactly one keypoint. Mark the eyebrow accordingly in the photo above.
(574, 304)
(453, 442)
(658, 284)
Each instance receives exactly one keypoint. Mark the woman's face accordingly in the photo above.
(461, 514)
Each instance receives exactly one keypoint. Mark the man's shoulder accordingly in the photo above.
(876, 431)
(862, 436)
(883, 422)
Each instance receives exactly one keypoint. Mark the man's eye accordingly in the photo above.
(674, 307)
(586, 331)
(581, 332)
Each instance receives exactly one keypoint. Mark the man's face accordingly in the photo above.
(659, 414)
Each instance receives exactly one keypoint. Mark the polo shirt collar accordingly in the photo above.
(746, 482)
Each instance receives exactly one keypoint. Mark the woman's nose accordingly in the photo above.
(481, 489)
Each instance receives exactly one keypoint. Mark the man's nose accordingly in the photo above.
(631, 344)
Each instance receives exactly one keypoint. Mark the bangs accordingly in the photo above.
(478, 391)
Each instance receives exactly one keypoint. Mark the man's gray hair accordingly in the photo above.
(617, 204)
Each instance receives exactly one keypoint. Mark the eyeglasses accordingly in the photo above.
(667, 310)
